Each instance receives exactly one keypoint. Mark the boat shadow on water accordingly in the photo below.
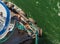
(45, 40)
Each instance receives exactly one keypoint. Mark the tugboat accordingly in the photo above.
(18, 29)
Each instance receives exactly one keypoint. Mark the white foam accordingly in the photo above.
(37, 2)
(46, 7)
(58, 5)
(58, 14)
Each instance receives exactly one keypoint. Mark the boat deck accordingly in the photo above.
(17, 38)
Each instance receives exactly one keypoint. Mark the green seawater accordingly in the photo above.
(46, 14)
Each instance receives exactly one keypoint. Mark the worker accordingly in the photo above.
(1, 14)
